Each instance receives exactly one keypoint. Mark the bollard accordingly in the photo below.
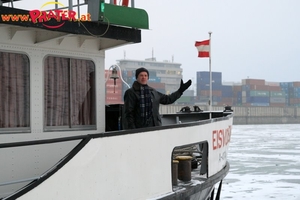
(184, 168)
(174, 172)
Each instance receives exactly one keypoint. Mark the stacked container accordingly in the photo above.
(292, 93)
(255, 93)
(227, 95)
(203, 87)
(237, 95)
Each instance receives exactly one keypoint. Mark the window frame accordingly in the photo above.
(25, 129)
(70, 127)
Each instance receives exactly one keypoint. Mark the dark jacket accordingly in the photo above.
(132, 106)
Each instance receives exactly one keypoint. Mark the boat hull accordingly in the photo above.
(134, 164)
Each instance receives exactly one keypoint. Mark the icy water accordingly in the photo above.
(264, 163)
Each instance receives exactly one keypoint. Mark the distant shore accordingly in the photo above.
(251, 115)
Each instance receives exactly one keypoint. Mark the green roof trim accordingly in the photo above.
(124, 16)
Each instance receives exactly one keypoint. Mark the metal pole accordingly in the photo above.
(78, 10)
(210, 77)
(70, 4)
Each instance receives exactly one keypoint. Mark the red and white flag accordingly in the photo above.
(203, 48)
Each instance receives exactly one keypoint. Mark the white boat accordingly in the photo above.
(58, 139)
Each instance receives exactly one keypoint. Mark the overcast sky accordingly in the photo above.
(255, 39)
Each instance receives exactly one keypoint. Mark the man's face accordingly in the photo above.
(142, 78)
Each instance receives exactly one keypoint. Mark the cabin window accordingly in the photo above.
(69, 93)
(14, 91)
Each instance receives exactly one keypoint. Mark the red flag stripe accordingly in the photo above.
(203, 54)
(205, 42)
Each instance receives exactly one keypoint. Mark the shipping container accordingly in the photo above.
(217, 93)
(260, 104)
(245, 87)
(261, 87)
(227, 88)
(129, 73)
(202, 86)
(206, 74)
(185, 99)
(227, 91)
(237, 88)
(277, 94)
(216, 99)
(274, 88)
(296, 92)
(256, 99)
(199, 98)
(188, 93)
(296, 83)
(259, 93)
(207, 81)
(277, 99)
(256, 87)
(294, 100)
(253, 82)
(157, 85)
(227, 99)
(237, 102)
(286, 84)
(238, 95)
(273, 83)
(206, 98)
(259, 99)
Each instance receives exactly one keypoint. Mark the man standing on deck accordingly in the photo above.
(142, 102)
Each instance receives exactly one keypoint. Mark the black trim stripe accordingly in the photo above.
(35, 183)
(87, 138)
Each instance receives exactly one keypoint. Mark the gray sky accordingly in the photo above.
(255, 39)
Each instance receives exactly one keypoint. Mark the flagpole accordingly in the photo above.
(210, 77)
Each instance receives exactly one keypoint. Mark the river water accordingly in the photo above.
(264, 163)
